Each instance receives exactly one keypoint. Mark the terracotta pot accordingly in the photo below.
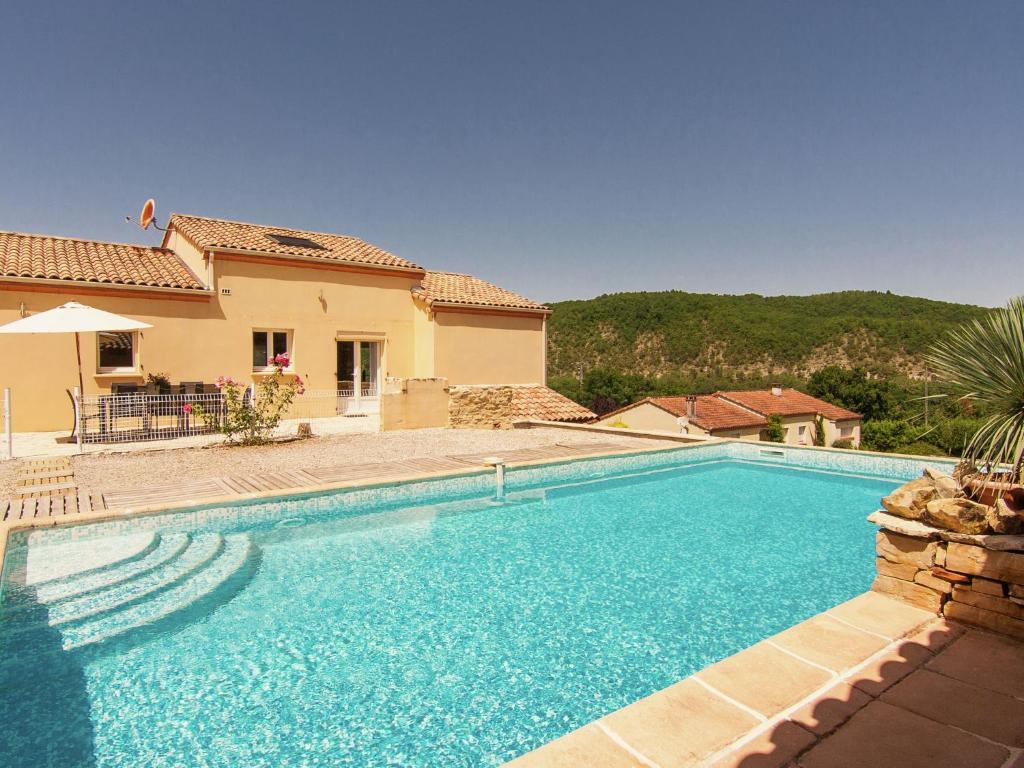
(985, 490)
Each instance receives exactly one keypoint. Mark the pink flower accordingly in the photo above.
(281, 360)
(187, 407)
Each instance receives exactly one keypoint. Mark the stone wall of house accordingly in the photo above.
(480, 407)
(977, 580)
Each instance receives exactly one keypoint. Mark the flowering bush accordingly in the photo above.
(252, 420)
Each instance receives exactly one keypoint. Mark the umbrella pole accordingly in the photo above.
(78, 352)
(81, 392)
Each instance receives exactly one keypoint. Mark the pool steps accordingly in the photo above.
(235, 552)
(200, 551)
(180, 572)
(167, 547)
(142, 552)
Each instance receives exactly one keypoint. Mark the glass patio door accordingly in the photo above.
(369, 367)
(358, 375)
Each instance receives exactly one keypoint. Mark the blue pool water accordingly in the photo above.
(443, 632)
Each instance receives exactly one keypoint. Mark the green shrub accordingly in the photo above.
(953, 435)
(252, 421)
(775, 432)
(886, 434)
(819, 430)
(920, 448)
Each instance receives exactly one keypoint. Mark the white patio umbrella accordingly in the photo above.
(73, 318)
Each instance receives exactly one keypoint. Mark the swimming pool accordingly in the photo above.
(426, 624)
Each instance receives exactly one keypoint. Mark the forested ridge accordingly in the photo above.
(863, 350)
(736, 337)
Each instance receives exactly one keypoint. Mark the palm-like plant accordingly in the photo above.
(985, 359)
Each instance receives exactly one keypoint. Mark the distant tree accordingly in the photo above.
(886, 434)
(851, 388)
(819, 430)
(569, 386)
(775, 432)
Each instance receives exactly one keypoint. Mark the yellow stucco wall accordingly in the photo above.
(647, 416)
(643, 416)
(488, 349)
(793, 425)
(414, 404)
(838, 430)
(423, 330)
(200, 340)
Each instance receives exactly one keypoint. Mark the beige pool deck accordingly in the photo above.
(870, 683)
(52, 509)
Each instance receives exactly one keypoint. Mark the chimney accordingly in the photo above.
(691, 406)
(777, 390)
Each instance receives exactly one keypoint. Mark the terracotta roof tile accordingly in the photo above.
(47, 257)
(543, 403)
(209, 233)
(457, 288)
(713, 413)
(790, 403)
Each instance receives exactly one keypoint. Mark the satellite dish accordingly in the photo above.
(148, 214)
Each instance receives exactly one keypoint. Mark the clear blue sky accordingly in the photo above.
(559, 149)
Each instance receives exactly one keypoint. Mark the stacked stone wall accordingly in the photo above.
(978, 580)
(480, 407)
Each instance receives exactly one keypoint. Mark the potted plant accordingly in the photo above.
(985, 360)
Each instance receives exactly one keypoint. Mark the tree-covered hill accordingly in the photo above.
(689, 335)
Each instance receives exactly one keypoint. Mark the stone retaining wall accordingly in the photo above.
(480, 407)
(978, 580)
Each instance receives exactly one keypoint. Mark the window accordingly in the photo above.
(296, 242)
(115, 351)
(846, 432)
(266, 345)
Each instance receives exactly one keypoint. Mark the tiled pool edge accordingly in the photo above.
(11, 527)
(582, 468)
(520, 474)
(712, 717)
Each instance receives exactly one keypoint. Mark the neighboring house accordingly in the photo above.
(799, 412)
(742, 414)
(223, 297)
(701, 415)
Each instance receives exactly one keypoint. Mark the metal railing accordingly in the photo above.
(140, 416)
(326, 403)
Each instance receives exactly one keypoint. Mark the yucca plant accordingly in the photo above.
(985, 360)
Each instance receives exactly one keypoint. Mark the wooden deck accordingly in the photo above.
(56, 495)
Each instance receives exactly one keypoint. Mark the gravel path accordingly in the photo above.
(122, 471)
(6, 478)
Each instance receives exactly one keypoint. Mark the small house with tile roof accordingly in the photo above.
(741, 414)
(224, 297)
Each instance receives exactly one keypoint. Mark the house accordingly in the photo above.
(741, 414)
(224, 297)
(701, 415)
(799, 413)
